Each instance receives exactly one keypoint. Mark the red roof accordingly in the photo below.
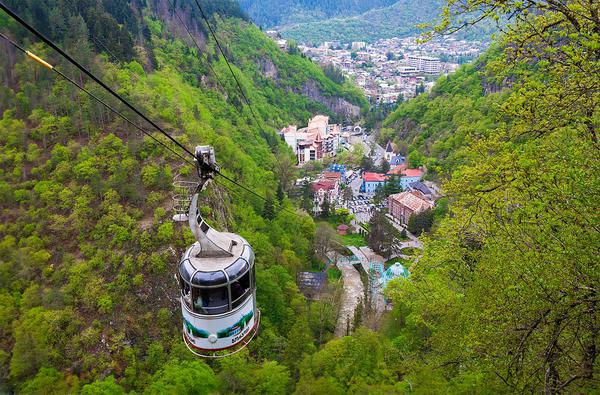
(412, 173)
(398, 169)
(323, 184)
(374, 177)
(332, 175)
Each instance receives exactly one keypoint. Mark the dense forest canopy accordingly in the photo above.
(88, 249)
(504, 298)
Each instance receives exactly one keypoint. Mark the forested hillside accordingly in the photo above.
(269, 13)
(433, 128)
(505, 297)
(401, 19)
(87, 247)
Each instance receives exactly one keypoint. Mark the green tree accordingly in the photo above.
(326, 207)
(383, 236)
(269, 209)
(47, 381)
(366, 163)
(103, 387)
(385, 166)
(183, 377)
(421, 222)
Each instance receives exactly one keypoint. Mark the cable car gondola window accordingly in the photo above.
(240, 289)
(210, 301)
(186, 292)
(209, 278)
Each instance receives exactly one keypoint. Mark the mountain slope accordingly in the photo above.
(500, 300)
(88, 249)
(400, 19)
(269, 13)
(397, 20)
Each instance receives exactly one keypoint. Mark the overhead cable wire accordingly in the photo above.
(116, 95)
(281, 208)
(50, 43)
(115, 111)
(196, 43)
(108, 51)
(237, 82)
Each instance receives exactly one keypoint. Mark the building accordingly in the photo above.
(404, 204)
(282, 44)
(394, 271)
(272, 34)
(419, 186)
(389, 152)
(312, 284)
(406, 176)
(356, 45)
(339, 168)
(315, 141)
(324, 189)
(396, 161)
(332, 176)
(409, 176)
(425, 64)
(372, 181)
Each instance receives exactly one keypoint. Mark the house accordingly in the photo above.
(317, 140)
(333, 176)
(312, 284)
(408, 176)
(341, 169)
(419, 186)
(324, 189)
(372, 181)
(395, 161)
(389, 151)
(342, 229)
(404, 204)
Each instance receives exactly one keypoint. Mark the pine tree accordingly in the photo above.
(326, 208)
(269, 209)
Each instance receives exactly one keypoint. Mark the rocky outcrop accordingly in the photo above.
(336, 104)
(268, 68)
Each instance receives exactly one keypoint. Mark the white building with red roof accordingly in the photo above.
(404, 204)
(406, 176)
(317, 140)
(372, 181)
(324, 189)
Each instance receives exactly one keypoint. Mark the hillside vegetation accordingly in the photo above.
(401, 19)
(87, 246)
(269, 13)
(434, 127)
(504, 298)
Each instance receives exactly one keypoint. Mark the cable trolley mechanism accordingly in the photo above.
(216, 275)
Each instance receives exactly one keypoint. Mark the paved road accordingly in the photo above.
(353, 294)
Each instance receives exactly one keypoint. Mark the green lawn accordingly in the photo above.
(354, 240)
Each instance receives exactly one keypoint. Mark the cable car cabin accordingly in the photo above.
(218, 298)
